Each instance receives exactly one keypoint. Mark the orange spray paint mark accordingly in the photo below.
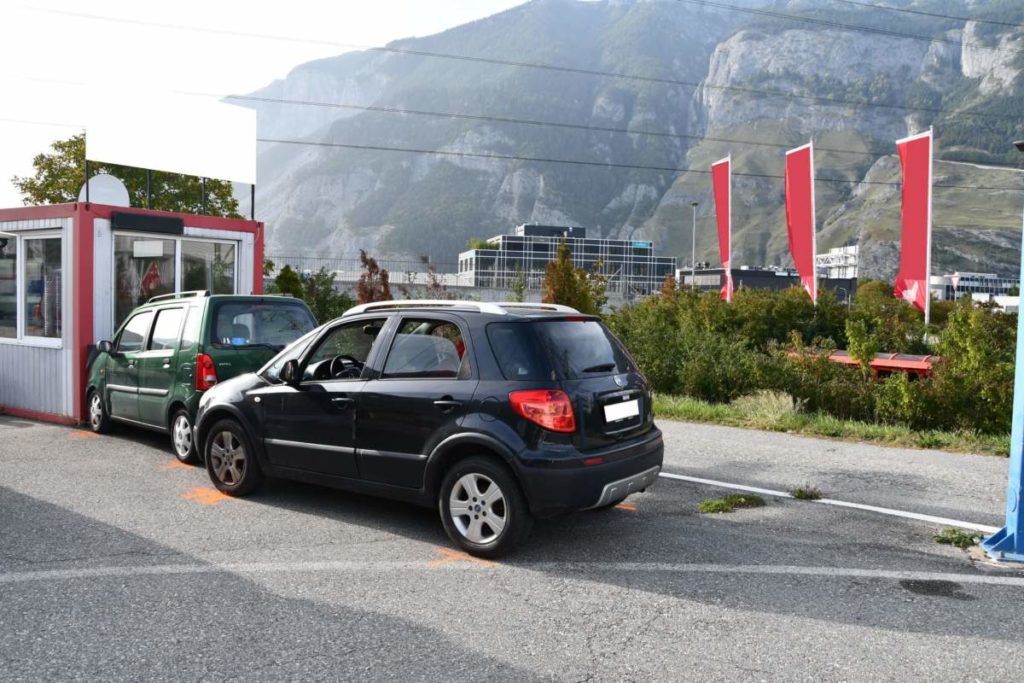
(457, 556)
(625, 506)
(82, 434)
(176, 465)
(205, 495)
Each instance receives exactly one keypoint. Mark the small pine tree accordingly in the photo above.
(568, 285)
(289, 282)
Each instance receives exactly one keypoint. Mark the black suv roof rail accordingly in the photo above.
(179, 295)
(497, 308)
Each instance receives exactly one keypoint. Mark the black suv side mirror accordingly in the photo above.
(105, 347)
(290, 372)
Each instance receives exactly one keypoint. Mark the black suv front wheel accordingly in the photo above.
(230, 460)
(482, 507)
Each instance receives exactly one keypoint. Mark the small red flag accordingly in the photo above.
(915, 246)
(800, 214)
(721, 180)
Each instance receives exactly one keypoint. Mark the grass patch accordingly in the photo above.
(958, 538)
(806, 493)
(730, 503)
(713, 505)
(771, 412)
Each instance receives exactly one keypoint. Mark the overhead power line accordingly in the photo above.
(534, 122)
(846, 27)
(601, 164)
(936, 15)
(830, 101)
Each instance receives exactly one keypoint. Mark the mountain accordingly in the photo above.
(692, 88)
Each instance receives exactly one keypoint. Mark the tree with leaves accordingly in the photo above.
(374, 283)
(323, 299)
(60, 173)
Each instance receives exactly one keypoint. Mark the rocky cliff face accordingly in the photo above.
(699, 71)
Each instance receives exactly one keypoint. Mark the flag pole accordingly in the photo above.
(928, 253)
(729, 283)
(814, 232)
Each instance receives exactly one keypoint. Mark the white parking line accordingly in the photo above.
(574, 569)
(945, 521)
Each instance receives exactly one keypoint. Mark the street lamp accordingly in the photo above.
(693, 250)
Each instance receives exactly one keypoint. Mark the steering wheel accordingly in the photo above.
(344, 366)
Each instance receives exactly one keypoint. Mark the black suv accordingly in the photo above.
(495, 413)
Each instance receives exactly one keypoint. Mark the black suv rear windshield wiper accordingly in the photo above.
(603, 367)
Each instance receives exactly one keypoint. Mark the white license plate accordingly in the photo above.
(621, 411)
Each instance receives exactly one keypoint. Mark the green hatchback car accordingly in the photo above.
(173, 348)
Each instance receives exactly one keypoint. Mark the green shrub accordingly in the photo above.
(696, 345)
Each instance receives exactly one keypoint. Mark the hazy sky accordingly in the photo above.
(59, 54)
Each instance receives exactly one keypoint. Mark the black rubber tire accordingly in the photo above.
(102, 425)
(519, 520)
(192, 457)
(252, 476)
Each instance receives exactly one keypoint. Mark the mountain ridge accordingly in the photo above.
(334, 200)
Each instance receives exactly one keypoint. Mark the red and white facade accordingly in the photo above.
(69, 273)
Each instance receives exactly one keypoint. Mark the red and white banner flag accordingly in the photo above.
(721, 180)
(915, 246)
(800, 214)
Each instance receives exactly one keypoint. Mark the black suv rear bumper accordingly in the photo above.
(566, 485)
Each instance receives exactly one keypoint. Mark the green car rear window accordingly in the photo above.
(269, 323)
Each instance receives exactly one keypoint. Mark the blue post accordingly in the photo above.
(1007, 544)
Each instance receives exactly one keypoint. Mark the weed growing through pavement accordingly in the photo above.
(806, 492)
(958, 538)
(730, 503)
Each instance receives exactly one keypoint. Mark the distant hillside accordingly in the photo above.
(333, 201)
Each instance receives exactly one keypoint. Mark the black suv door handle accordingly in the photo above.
(447, 404)
(342, 401)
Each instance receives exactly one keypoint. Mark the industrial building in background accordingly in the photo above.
(956, 285)
(630, 265)
(838, 264)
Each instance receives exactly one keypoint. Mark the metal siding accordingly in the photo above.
(36, 377)
(33, 378)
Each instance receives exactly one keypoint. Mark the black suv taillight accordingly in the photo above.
(549, 408)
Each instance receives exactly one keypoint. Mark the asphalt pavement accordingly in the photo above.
(118, 563)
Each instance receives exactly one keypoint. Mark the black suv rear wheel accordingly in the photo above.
(482, 507)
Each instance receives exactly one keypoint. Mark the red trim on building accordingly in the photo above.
(257, 261)
(38, 415)
(82, 328)
(34, 213)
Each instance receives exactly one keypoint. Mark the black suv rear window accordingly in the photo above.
(581, 348)
(247, 323)
(575, 349)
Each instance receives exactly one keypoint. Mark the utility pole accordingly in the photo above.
(693, 249)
